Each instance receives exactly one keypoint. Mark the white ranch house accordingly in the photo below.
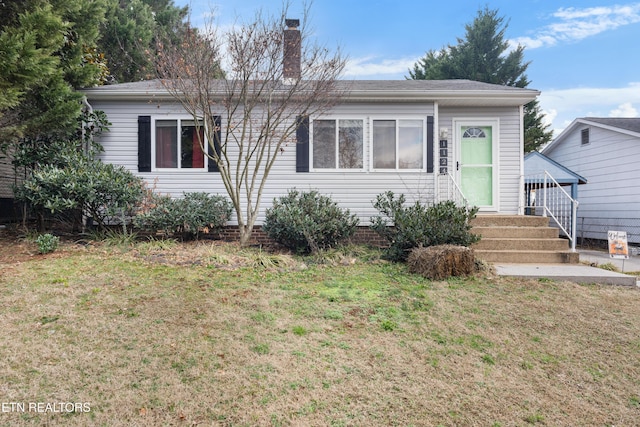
(430, 140)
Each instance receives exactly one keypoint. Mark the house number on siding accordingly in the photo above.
(444, 154)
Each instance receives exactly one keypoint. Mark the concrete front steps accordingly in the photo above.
(522, 239)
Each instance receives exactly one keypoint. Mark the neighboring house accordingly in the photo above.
(8, 179)
(423, 138)
(606, 151)
(535, 166)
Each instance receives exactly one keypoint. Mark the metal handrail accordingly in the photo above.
(554, 203)
(454, 192)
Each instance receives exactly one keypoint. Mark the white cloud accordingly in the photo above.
(624, 110)
(576, 24)
(370, 66)
(549, 116)
(563, 106)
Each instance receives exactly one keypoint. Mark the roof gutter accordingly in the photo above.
(444, 97)
(516, 98)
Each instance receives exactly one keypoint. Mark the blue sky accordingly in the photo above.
(584, 54)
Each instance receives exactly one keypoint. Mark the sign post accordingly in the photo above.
(618, 246)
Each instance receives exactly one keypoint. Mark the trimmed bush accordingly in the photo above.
(442, 261)
(410, 226)
(186, 217)
(308, 221)
(102, 191)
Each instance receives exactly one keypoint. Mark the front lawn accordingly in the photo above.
(162, 333)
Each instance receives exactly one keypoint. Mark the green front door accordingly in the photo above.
(476, 165)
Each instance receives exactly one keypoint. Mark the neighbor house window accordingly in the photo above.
(398, 144)
(338, 144)
(178, 144)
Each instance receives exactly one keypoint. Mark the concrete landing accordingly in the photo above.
(578, 273)
(600, 257)
(585, 272)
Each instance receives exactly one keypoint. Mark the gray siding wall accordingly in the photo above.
(611, 198)
(353, 190)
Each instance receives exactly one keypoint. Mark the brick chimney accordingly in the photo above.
(292, 49)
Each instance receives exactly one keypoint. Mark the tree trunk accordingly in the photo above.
(245, 235)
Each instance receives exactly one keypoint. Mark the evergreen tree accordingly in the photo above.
(130, 33)
(47, 50)
(483, 55)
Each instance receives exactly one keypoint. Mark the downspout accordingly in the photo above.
(436, 153)
(89, 108)
(521, 184)
(86, 220)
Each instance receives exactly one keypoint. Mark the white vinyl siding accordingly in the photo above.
(355, 191)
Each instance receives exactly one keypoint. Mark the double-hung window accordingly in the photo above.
(338, 144)
(398, 144)
(178, 144)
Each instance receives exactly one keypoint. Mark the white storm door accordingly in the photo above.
(476, 165)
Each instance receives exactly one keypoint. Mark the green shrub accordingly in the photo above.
(47, 243)
(308, 221)
(186, 217)
(410, 226)
(99, 190)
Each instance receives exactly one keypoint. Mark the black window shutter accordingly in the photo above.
(217, 139)
(144, 143)
(302, 144)
(429, 144)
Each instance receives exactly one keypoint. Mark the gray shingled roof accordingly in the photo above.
(631, 124)
(446, 92)
(427, 85)
(355, 85)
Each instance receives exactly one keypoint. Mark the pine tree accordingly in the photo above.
(131, 31)
(43, 46)
(47, 51)
(483, 55)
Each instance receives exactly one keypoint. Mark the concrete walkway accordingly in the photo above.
(585, 272)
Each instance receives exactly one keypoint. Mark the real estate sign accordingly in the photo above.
(618, 247)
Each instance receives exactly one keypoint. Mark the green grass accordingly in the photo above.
(211, 334)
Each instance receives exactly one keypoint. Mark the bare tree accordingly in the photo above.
(273, 77)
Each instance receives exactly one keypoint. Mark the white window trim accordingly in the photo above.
(179, 169)
(397, 118)
(337, 118)
(494, 123)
